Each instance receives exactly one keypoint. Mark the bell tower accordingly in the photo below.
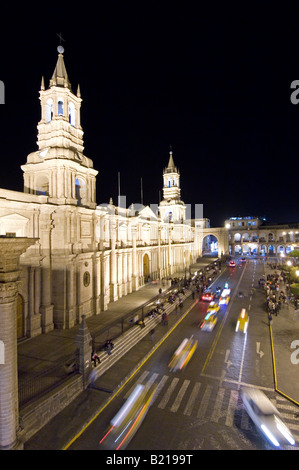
(172, 208)
(59, 168)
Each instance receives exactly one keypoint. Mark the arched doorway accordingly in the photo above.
(20, 317)
(145, 267)
(210, 246)
(238, 250)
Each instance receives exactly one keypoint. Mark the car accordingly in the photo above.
(213, 307)
(209, 321)
(266, 417)
(232, 264)
(243, 260)
(225, 296)
(128, 419)
(242, 322)
(208, 295)
(183, 354)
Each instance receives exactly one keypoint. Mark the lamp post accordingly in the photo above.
(289, 263)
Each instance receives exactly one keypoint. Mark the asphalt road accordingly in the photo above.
(200, 407)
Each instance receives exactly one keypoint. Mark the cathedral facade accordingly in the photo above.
(86, 255)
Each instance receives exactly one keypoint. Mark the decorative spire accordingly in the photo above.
(60, 77)
(42, 86)
(171, 168)
(78, 91)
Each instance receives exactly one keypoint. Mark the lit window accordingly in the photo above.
(60, 106)
(49, 110)
(72, 114)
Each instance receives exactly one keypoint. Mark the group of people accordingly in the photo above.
(109, 345)
(276, 297)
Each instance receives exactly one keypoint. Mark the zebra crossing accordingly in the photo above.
(209, 402)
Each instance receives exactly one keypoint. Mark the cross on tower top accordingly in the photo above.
(60, 37)
(60, 48)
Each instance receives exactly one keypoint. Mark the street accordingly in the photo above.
(200, 406)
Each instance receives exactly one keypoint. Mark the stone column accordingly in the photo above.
(113, 261)
(134, 259)
(46, 306)
(84, 343)
(159, 264)
(10, 251)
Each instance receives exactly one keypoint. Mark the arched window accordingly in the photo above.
(49, 110)
(72, 113)
(60, 106)
(42, 186)
(80, 191)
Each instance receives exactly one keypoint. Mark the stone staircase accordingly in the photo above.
(128, 340)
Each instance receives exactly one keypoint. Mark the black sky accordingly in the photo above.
(214, 83)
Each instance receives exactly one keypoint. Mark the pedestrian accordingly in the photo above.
(270, 319)
(109, 346)
(95, 358)
(92, 378)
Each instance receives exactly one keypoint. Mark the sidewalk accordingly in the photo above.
(284, 337)
(38, 354)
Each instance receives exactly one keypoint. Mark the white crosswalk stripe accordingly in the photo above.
(218, 412)
(168, 393)
(191, 402)
(179, 396)
(232, 405)
(204, 402)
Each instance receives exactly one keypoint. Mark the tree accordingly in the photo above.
(294, 254)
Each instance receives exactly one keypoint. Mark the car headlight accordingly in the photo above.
(270, 436)
(284, 431)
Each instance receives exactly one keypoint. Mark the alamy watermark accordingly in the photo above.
(295, 354)
(2, 93)
(294, 95)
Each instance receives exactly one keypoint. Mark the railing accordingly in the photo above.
(123, 324)
(45, 381)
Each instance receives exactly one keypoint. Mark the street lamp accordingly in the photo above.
(289, 263)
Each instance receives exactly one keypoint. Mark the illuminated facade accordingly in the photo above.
(254, 236)
(86, 255)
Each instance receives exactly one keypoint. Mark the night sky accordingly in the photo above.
(214, 83)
